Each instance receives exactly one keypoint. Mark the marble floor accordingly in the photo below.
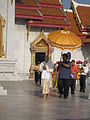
(24, 102)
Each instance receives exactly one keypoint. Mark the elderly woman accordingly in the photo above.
(45, 81)
(49, 64)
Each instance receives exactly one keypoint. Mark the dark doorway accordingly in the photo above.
(39, 56)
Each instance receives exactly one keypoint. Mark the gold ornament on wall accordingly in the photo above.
(2, 25)
(28, 30)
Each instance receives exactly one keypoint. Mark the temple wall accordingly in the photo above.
(22, 47)
(79, 54)
(10, 29)
(76, 55)
(86, 53)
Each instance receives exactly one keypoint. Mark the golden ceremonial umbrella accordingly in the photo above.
(64, 39)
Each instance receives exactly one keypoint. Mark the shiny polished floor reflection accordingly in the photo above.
(24, 102)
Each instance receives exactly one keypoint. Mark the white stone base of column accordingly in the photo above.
(89, 96)
(3, 92)
(14, 77)
(1, 87)
(24, 76)
(10, 77)
(8, 71)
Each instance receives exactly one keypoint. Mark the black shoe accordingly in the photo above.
(65, 97)
(62, 92)
(60, 96)
(80, 91)
(84, 91)
(72, 93)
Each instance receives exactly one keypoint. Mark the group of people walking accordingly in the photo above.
(62, 75)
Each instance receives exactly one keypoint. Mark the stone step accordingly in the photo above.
(10, 77)
(24, 76)
(14, 77)
(1, 87)
(3, 92)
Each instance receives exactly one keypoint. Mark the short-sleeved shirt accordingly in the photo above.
(49, 64)
(74, 71)
(45, 75)
(65, 72)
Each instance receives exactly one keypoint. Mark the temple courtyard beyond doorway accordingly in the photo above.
(24, 102)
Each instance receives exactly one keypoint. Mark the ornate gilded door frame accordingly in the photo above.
(40, 44)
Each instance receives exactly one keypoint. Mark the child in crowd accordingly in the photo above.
(45, 81)
(74, 72)
(36, 73)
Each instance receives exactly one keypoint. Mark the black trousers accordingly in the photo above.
(60, 86)
(82, 82)
(72, 85)
(64, 87)
(36, 77)
(39, 77)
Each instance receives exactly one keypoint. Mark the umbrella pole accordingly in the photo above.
(48, 53)
(61, 55)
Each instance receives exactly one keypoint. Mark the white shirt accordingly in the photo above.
(85, 70)
(48, 64)
(45, 74)
(41, 67)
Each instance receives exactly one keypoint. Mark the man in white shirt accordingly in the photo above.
(83, 75)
